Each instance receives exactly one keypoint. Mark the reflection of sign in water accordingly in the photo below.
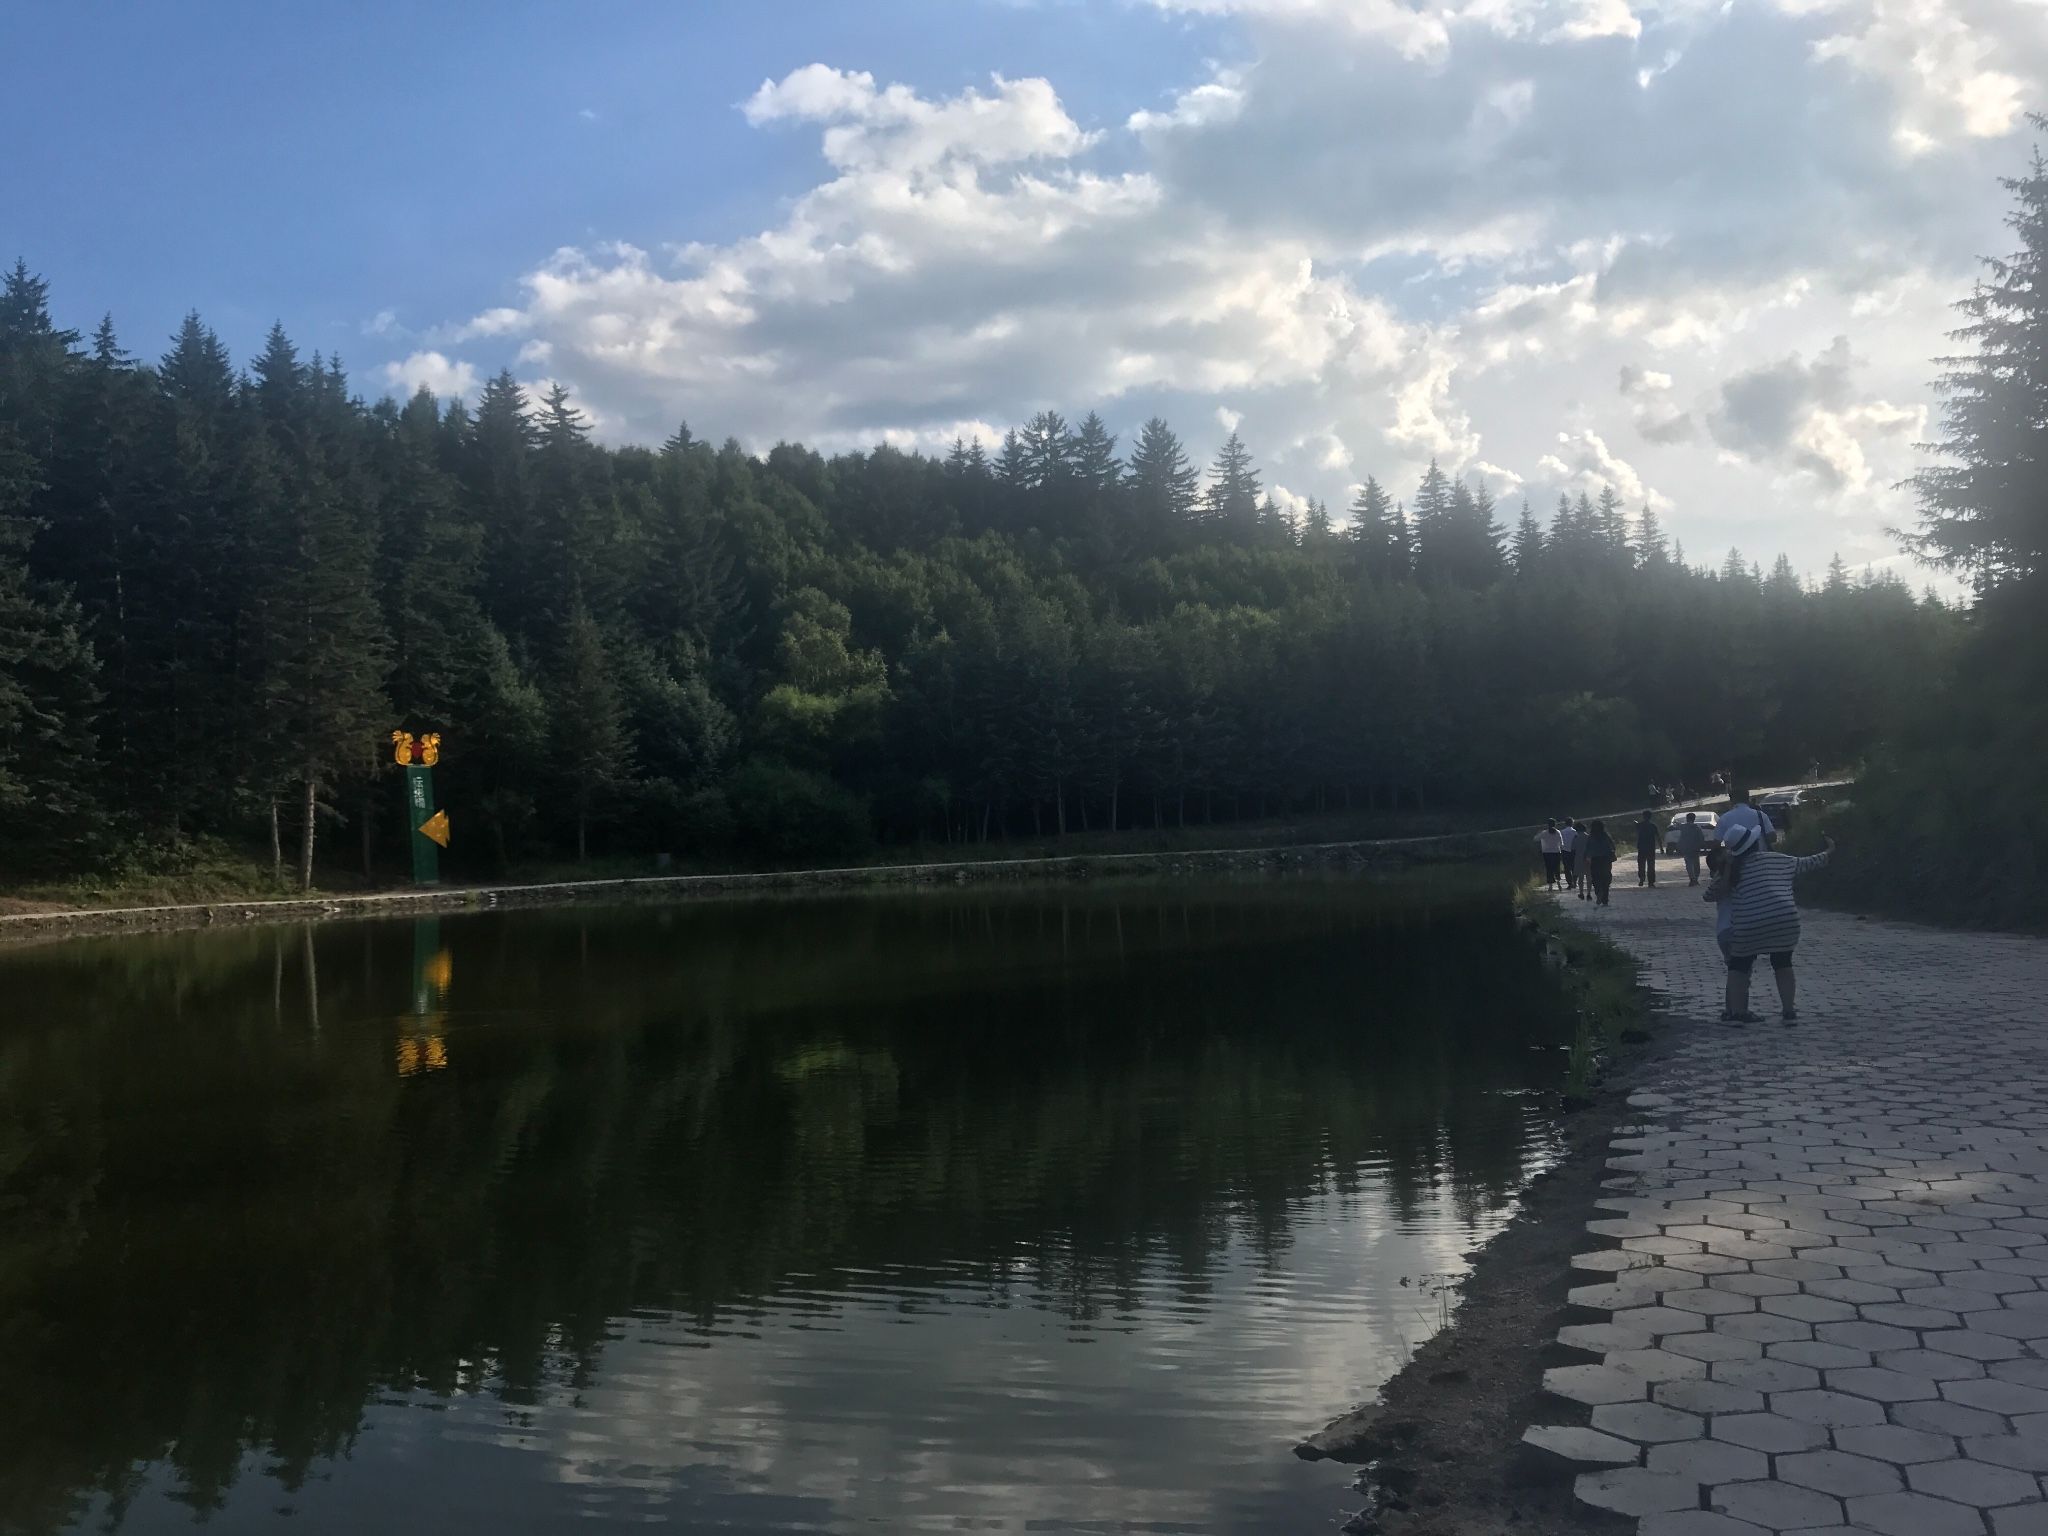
(427, 1054)
(438, 972)
(422, 1038)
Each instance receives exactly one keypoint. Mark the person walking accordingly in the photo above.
(1743, 813)
(1568, 850)
(1692, 838)
(1550, 843)
(1599, 861)
(1648, 836)
(1759, 917)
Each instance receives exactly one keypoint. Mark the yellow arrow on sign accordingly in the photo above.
(436, 827)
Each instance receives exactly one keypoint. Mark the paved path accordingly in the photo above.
(1824, 1259)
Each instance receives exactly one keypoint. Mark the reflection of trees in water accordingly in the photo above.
(221, 1230)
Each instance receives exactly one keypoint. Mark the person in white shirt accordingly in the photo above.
(1550, 843)
(1743, 814)
(1568, 846)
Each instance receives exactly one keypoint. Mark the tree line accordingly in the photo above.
(222, 588)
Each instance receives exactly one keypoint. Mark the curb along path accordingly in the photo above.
(1823, 1259)
(456, 898)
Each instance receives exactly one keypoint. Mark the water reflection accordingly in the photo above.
(1061, 1210)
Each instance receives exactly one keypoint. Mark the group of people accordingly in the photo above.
(1750, 887)
(1581, 857)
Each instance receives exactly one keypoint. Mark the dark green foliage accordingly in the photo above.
(791, 813)
(1952, 822)
(48, 697)
(590, 748)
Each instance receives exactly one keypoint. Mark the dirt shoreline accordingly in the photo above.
(1441, 1447)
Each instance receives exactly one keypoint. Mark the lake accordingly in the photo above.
(1055, 1209)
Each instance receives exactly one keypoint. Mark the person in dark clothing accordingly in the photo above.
(1647, 839)
(1692, 837)
(1599, 856)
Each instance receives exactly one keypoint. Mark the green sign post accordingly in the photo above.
(429, 826)
(419, 803)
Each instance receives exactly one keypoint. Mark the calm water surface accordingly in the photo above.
(1049, 1210)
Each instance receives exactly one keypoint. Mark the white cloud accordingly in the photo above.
(492, 322)
(450, 378)
(1810, 418)
(1219, 100)
(896, 129)
(1291, 502)
(1584, 462)
(1947, 63)
(1381, 231)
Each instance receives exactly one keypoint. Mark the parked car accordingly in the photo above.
(1704, 819)
(1781, 805)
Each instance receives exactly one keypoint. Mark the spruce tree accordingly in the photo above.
(1985, 510)
(1165, 488)
(1564, 527)
(497, 472)
(191, 609)
(1315, 530)
(1013, 465)
(1094, 458)
(1432, 528)
(1373, 532)
(1651, 550)
(321, 644)
(579, 526)
(1051, 455)
(590, 749)
(1527, 550)
(1481, 540)
(1232, 502)
(1611, 518)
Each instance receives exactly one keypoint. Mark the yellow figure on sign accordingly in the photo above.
(430, 748)
(435, 827)
(401, 747)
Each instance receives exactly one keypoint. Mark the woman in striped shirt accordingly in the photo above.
(1759, 917)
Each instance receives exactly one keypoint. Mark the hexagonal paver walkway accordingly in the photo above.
(1816, 1297)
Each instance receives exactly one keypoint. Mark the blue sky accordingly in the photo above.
(1697, 251)
(320, 164)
